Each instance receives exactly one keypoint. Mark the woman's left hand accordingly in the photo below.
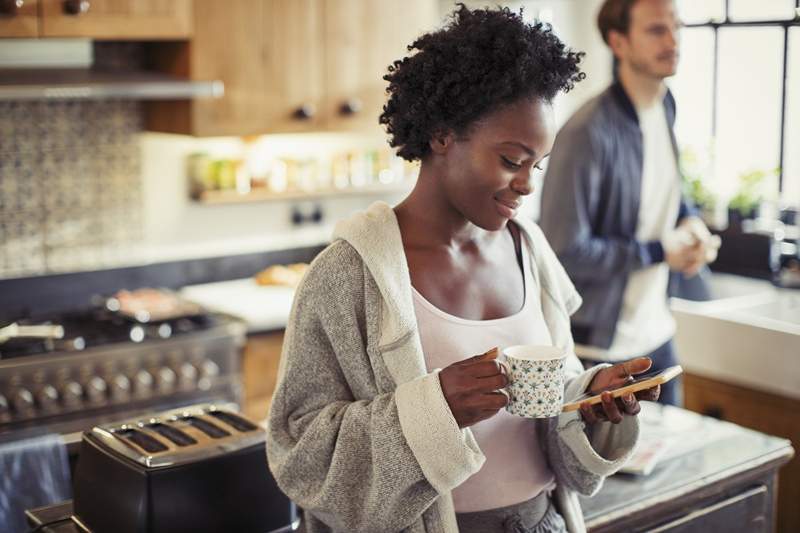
(612, 409)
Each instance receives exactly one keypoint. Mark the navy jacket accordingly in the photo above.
(590, 207)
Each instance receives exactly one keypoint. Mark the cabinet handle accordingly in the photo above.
(351, 106)
(76, 7)
(304, 112)
(10, 7)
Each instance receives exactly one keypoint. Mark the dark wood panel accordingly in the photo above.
(768, 413)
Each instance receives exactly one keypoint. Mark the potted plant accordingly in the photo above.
(696, 187)
(748, 198)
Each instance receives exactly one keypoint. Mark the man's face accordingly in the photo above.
(651, 46)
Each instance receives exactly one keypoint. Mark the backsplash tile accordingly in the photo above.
(70, 186)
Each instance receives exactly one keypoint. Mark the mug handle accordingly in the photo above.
(506, 370)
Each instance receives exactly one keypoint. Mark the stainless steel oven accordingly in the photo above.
(103, 367)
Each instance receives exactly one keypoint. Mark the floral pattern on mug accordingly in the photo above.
(537, 387)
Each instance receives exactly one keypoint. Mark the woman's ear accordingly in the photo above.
(440, 142)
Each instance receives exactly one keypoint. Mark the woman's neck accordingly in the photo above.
(428, 219)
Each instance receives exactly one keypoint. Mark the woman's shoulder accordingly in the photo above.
(535, 236)
(337, 268)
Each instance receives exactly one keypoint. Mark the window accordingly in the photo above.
(737, 109)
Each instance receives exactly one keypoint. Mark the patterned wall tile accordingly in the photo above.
(70, 186)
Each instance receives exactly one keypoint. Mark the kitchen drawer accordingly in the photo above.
(745, 512)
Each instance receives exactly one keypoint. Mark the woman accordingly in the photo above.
(365, 432)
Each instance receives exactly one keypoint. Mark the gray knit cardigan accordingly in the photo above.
(360, 434)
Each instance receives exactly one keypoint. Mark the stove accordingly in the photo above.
(101, 366)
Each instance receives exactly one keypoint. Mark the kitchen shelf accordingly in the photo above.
(259, 195)
(91, 84)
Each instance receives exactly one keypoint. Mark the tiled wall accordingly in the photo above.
(70, 187)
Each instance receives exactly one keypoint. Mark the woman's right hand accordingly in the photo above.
(471, 388)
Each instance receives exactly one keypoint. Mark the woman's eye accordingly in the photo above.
(510, 164)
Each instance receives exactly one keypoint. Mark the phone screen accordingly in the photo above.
(671, 372)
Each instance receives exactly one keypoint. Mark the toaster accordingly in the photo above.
(196, 469)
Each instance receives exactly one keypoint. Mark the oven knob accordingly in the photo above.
(143, 382)
(5, 414)
(187, 373)
(22, 400)
(47, 397)
(209, 369)
(72, 394)
(166, 379)
(96, 390)
(120, 387)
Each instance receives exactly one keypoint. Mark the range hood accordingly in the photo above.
(92, 84)
(80, 69)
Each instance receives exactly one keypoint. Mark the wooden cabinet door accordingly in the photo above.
(117, 19)
(20, 21)
(267, 53)
(293, 65)
(361, 39)
(762, 411)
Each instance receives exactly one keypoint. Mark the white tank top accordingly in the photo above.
(515, 469)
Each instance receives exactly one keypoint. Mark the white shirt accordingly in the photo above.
(516, 469)
(645, 321)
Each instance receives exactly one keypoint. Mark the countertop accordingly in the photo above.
(263, 308)
(706, 455)
(748, 334)
(701, 455)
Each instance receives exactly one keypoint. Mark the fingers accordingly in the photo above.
(484, 369)
(588, 414)
(488, 355)
(491, 383)
(650, 395)
(496, 400)
(638, 365)
(630, 405)
(610, 408)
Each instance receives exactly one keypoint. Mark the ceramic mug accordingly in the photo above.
(536, 380)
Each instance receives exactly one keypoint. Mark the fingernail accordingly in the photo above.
(628, 398)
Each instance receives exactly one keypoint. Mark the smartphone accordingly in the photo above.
(639, 382)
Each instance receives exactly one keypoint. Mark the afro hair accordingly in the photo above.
(480, 61)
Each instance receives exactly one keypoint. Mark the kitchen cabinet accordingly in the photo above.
(289, 65)
(116, 19)
(761, 411)
(19, 20)
(361, 39)
(261, 357)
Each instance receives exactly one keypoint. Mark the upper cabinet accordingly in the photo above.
(19, 18)
(97, 19)
(116, 19)
(289, 65)
(361, 39)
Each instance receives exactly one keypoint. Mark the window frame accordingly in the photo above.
(726, 22)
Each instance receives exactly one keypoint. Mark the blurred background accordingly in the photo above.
(159, 152)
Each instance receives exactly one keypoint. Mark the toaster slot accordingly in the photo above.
(143, 441)
(234, 421)
(173, 434)
(215, 432)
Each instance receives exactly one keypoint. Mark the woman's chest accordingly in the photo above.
(470, 288)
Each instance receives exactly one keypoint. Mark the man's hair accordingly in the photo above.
(480, 61)
(615, 15)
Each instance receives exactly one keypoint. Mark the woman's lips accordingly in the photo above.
(505, 208)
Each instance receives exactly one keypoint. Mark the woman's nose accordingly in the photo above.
(522, 185)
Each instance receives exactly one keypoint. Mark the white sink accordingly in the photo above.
(748, 334)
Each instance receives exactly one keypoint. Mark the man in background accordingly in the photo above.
(612, 206)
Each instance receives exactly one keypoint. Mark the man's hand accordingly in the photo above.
(690, 246)
(612, 409)
(471, 388)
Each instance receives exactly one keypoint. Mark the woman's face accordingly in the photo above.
(489, 170)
